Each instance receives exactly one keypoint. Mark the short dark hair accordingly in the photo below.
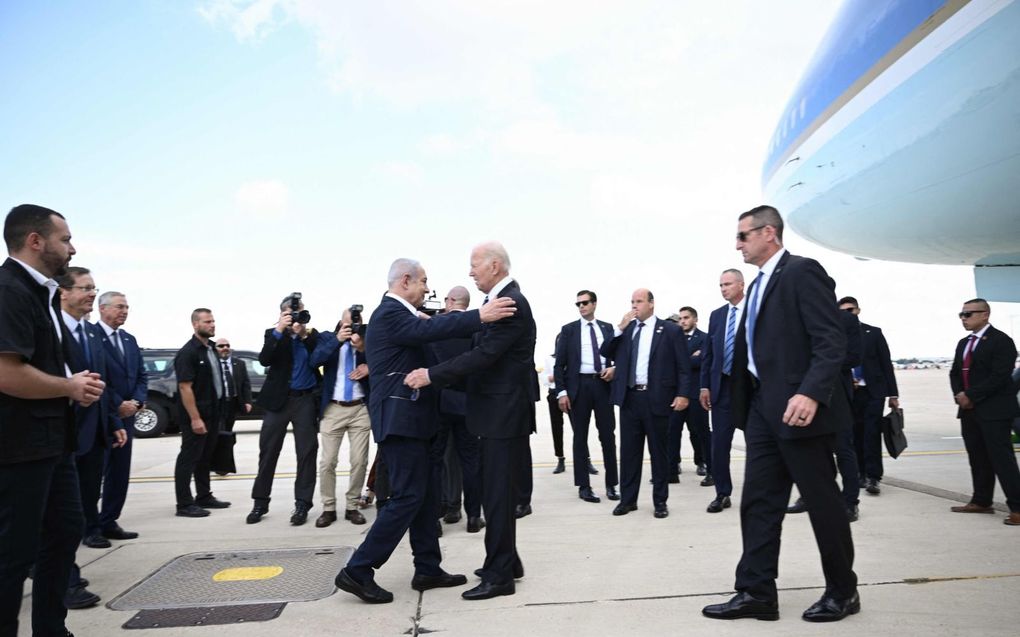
(848, 299)
(766, 216)
(594, 297)
(688, 308)
(980, 301)
(71, 275)
(25, 219)
(197, 311)
(651, 297)
(285, 303)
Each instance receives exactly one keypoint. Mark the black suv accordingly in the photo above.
(158, 416)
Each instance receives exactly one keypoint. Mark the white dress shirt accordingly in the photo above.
(587, 356)
(758, 290)
(341, 378)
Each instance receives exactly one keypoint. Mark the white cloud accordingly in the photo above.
(264, 198)
(403, 172)
(248, 19)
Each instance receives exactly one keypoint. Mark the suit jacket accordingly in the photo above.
(714, 347)
(242, 383)
(327, 355)
(32, 429)
(799, 348)
(854, 349)
(453, 397)
(879, 378)
(278, 356)
(394, 346)
(128, 379)
(502, 386)
(567, 370)
(97, 421)
(991, 383)
(696, 342)
(669, 363)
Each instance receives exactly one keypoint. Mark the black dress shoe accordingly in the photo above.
(672, 480)
(871, 486)
(830, 609)
(701, 469)
(612, 493)
(192, 511)
(853, 513)
(518, 571)
(452, 517)
(96, 541)
(661, 511)
(210, 502)
(354, 516)
(624, 509)
(561, 466)
(370, 592)
(591, 468)
(721, 502)
(327, 518)
(709, 481)
(522, 510)
(474, 525)
(117, 533)
(485, 590)
(77, 597)
(797, 507)
(446, 580)
(256, 514)
(743, 605)
(586, 494)
(300, 514)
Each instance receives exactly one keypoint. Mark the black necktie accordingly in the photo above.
(84, 342)
(595, 348)
(228, 380)
(632, 376)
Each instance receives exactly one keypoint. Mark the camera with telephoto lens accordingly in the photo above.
(296, 313)
(357, 323)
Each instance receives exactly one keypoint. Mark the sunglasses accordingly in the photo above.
(742, 236)
(225, 346)
(582, 303)
(971, 313)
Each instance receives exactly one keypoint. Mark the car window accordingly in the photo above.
(254, 367)
(157, 365)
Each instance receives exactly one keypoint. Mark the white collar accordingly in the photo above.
(770, 266)
(496, 289)
(410, 308)
(71, 322)
(982, 331)
(39, 277)
(106, 328)
(584, 322)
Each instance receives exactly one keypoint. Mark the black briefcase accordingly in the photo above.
(222, 461)
(892, 432)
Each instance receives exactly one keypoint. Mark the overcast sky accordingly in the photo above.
(225, 153)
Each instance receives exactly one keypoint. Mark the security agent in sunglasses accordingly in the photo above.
(404, 425)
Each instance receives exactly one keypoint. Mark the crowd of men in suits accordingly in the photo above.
(806, 382)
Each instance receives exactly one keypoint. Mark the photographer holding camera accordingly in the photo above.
(344, 408)
(288, 396)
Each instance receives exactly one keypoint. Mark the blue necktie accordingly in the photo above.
(595, 348)
(752, 315)
(84, 342)
(348, 368)
(632, 376)
(731, 333)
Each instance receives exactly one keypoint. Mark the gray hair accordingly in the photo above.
(735, 272)
(399, 268)
(106, 297)
(494, 251)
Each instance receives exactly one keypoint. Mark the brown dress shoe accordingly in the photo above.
(327, 518)
(354, 516)
(1013, 519)
(970, 507)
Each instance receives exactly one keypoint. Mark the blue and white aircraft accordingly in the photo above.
(902, 141)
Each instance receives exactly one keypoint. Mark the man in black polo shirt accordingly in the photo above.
(288, 396)
(199, 394)
(40, 507)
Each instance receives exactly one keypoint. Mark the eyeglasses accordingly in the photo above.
(87, 289)
(972, 313)
(582, 303)
(742, 236)
(849, 309)
(223, 346)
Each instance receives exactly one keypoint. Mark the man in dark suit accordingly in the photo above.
(652, 380)
(873, 380)
(583, 378)
(404, 426)
(40, 503)
(716, 369)
(787, 398)
(984, 391)
(236, 384)
(502, 389)
(344, 410)
(129, 387)
(199, 399)
(289, 396)
(695, 416)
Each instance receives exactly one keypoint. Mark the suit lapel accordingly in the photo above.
(778, 272)
(656, 337)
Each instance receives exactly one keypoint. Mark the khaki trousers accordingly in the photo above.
(335, 422)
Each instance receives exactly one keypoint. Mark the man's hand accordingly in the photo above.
(127, 409)
(705, 398)
(358, 343)
(627, 318)
(607, 374)
(800, 410)
(247, 408)
(358, 372)
(696, 353)
(198, 426)
(894, 402)
(119, 438)
(344, 333)
(564, 404)
(964, 401)
(284, 323)
(85, 388)
(680, 403)
(496, 309)
(418, 378)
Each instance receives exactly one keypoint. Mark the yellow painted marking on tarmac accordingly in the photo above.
(958, 578)
(247, 573)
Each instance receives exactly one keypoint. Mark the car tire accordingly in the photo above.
(152, 421)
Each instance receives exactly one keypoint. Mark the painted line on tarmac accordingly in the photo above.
(945, 494)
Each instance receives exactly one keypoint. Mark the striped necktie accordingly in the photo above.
(731, 333)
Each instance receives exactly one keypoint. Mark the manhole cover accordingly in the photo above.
(238, 577)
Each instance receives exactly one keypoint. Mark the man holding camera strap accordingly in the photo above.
(289, 397)
(344, 408)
